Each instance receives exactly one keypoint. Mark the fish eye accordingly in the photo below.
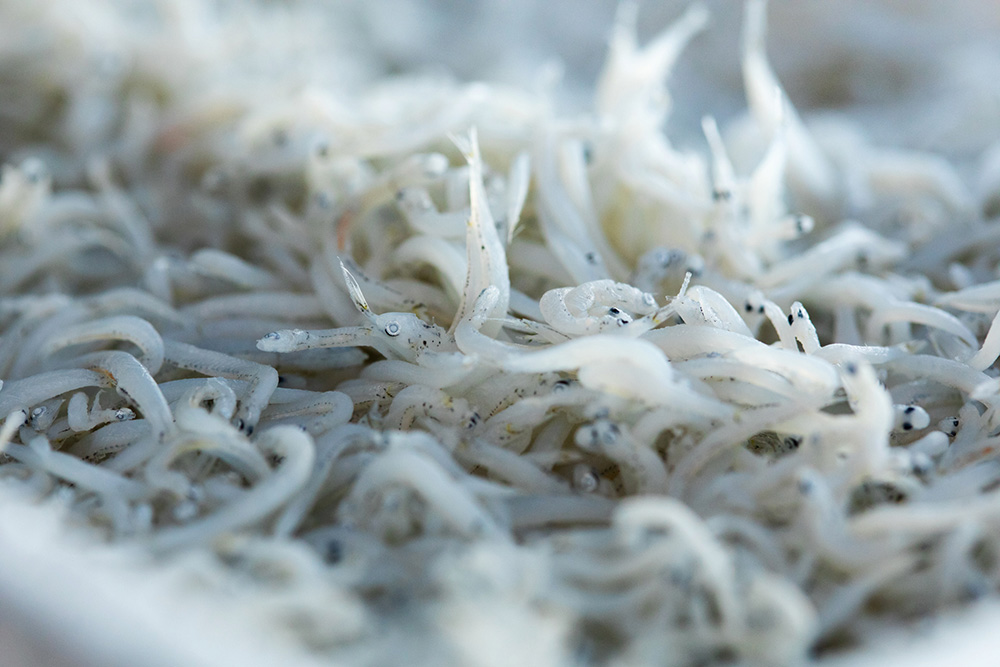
(392, 329)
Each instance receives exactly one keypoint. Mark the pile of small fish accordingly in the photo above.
(447, 373)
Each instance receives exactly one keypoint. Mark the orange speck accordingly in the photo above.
(344, 228)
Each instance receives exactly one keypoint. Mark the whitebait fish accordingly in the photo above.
(483, 373)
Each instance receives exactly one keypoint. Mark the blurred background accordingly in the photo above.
(911, 63)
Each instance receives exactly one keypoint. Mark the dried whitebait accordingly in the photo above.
(29, 392)
(39, 455)
(129, 328)
(487, 260)
(396, 335)
(218, 264)
(263, 380)
(113, 438)
(808, 168)
(418, 208)
(445, 496)
(298, 452)
(594, 307)
(600, 387)
(80, 418)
